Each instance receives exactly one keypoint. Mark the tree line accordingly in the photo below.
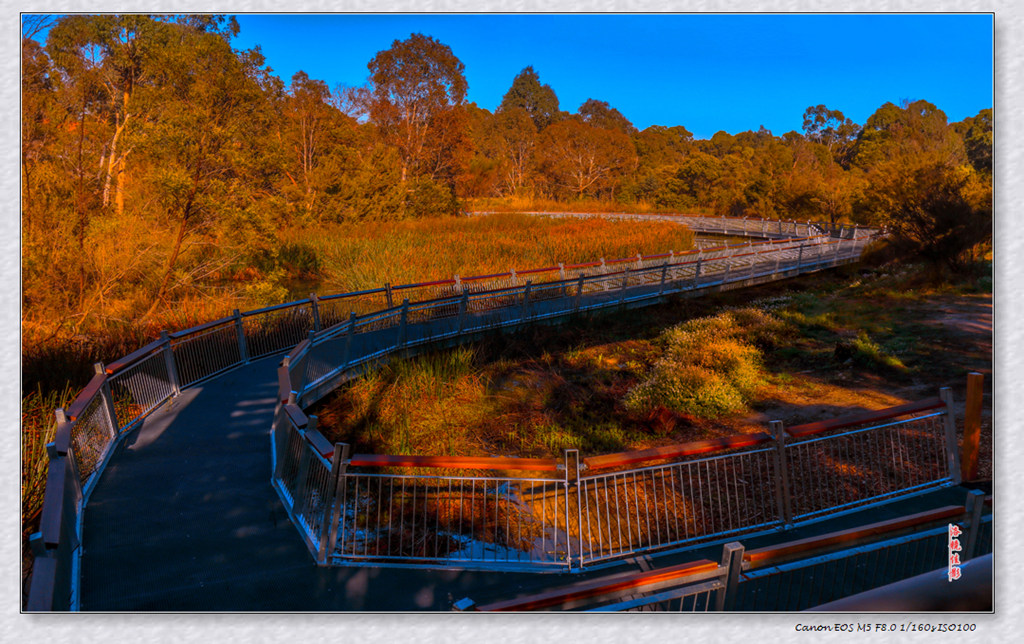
(155, 153)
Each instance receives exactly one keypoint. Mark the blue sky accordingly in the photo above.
(731, 72)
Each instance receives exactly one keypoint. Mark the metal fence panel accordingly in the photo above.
(652, 508)
(495, 521)
(857, 467)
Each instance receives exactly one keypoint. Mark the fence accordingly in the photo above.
(797, 575)
(124, 392)
(571, 513)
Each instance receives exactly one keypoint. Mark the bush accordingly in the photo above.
(710, 366)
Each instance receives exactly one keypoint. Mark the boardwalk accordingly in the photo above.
(184, 517)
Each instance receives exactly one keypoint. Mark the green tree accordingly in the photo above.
(539, 101)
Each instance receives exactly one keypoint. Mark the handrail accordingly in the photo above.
(86, 396)
(763, 556)
(821, 426)
(456, 462)
(202, 327)
(121, 363)
(603, 586)
(676, 451)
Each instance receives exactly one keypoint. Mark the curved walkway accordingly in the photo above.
(184, 518)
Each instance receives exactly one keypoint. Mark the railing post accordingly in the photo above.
(974, 506)
(800, 259)
(972, 426)
(952, 449)
(625, 282)
(305, 362)
(402, 323)
(572, 477)
(243, 349)
(782, 491)
(387, 294)
(561, 277)
(732, 561)
(728, 267)
(108, 401)
(839, 246)
(525, 311)
(664, 271)
(604, 271)
(172, 372)
(579, 293)
(463, 305)
(314, 305)
(348, 339)
(339, 464)
(696, 274)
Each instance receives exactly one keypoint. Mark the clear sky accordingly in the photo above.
(705, 72)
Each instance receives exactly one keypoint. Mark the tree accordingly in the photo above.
(538, 100)
(414, 88)
(917, 129)
(518, 137)
(581, 159)
(978, 141)
(205, 120)
(934, 211)
(830, 128)
(317, 136)
(115, 51)
(601, 114)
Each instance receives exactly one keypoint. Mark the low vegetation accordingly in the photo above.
(816, 348)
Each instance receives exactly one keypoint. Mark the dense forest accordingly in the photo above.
(160, 166)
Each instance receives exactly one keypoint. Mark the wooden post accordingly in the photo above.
(108, 401)
(732, 561)
(952, 451)
(314, 305)
(974, 506)
(172, 373)
(800, 259)
(561, 277)
(243, 349)
(579, 293)
(664, 271)
(387, 294)
(782, 492)
(972, 426)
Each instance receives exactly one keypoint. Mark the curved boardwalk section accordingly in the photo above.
(170, 448)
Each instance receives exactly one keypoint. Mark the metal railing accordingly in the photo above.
(573, 513)
(124, 392)
(787, 577)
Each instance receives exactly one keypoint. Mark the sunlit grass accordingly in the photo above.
(352, 257)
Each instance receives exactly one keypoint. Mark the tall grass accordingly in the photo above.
(366, 255)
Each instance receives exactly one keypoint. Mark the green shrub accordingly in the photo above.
(710, 366)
